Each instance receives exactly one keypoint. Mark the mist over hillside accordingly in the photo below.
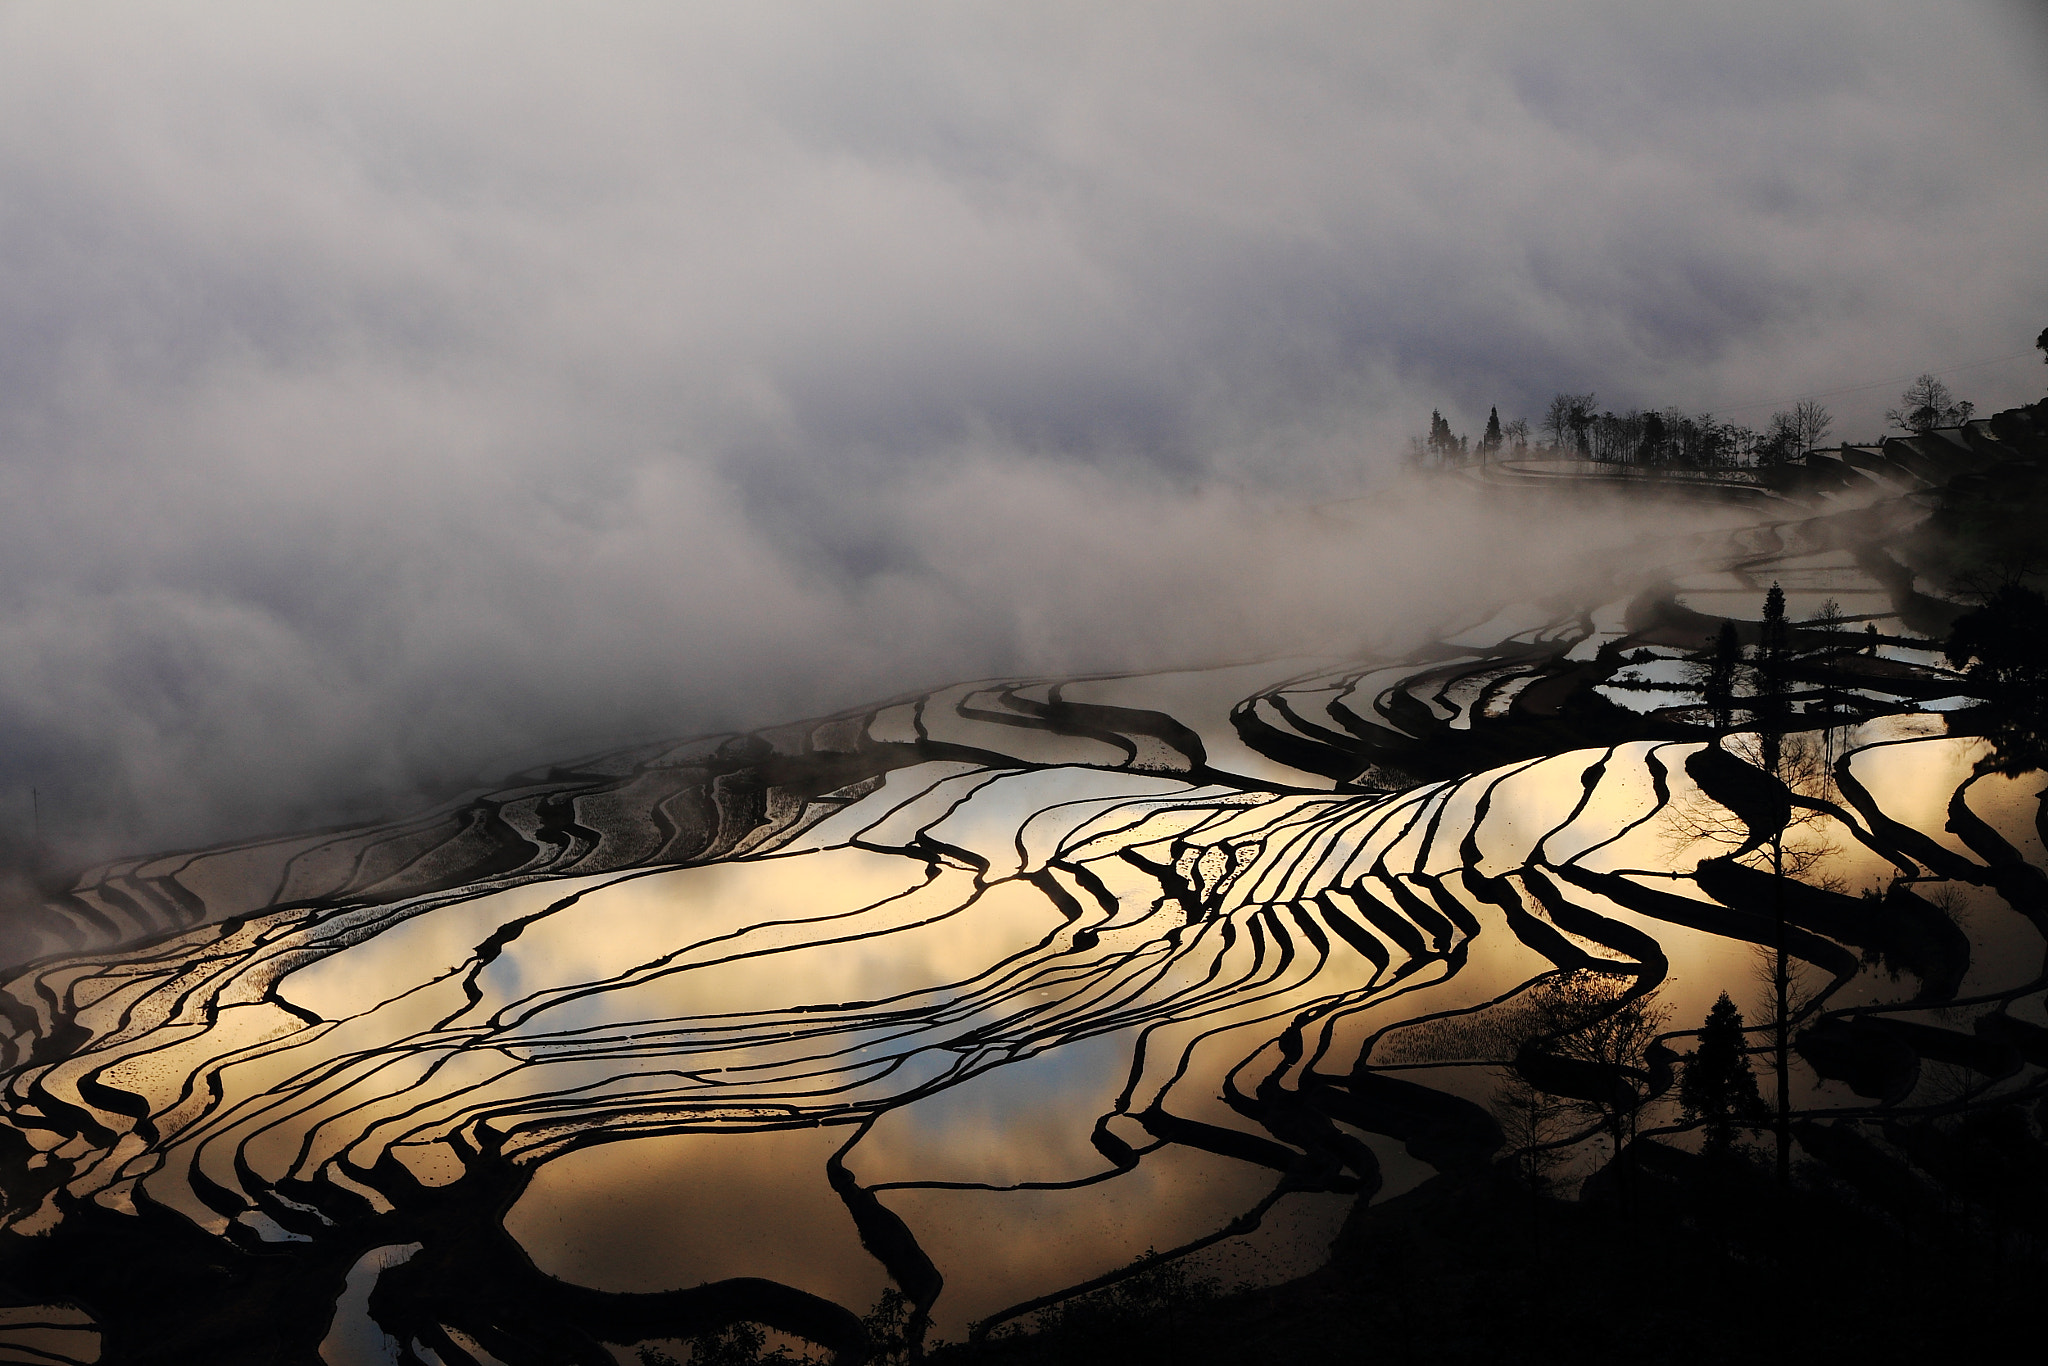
(923, 682)
(390, 392)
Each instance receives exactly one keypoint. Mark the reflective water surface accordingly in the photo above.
(982, 995)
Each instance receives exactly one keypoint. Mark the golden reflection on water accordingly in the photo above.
(1917, 779)
(985, 968)
(682, 1209)
(1002, 1248)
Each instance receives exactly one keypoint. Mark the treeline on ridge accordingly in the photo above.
(1574, 425)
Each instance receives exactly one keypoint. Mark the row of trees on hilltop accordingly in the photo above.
(1574, 424)
(1681, 440)
(1440, 447)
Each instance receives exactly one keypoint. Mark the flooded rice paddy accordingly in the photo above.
(990, 993)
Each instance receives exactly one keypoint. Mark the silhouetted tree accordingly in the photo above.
(1655, 437)
(1792, 434)
(1780, 441)
(1517, 433)
(1569, 421)
(1158, 1290)
(894, 1329)
(2005, 645)
(1442, 444)
(1927, 404)
(1812, 423)
(1489, 441)
(1715, 677)
(1539, 1037)
(1557, 420)
(1828, 620)
(1582, 424)
(1602, 1019)
(1617, 438)
(737, 1344)
(1707, 444)
(1531, 1121)
(1718, 1088)
(1795, 768)
(1772, 716)
(1773, 661)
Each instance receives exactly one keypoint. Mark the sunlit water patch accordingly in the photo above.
(991, 994)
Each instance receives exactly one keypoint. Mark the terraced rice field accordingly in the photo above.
(992, 992)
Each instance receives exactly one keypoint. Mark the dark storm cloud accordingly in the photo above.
(387, 387)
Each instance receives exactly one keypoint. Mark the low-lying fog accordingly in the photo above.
(327, 667)
(387, 390)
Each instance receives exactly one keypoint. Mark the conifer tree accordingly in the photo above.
(1718, 1086)
(1441, 441)
(1490, 441)
(1776, 634)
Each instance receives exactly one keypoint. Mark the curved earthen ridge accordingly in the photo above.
(897, 974)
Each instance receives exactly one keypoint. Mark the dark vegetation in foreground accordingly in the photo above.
(1696, 1266)
(1901, 1234)
(1671, 1257)
(1898, 1224)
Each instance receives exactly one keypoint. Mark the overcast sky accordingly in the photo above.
(387, 386)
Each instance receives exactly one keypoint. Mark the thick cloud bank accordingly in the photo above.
(386, 387)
